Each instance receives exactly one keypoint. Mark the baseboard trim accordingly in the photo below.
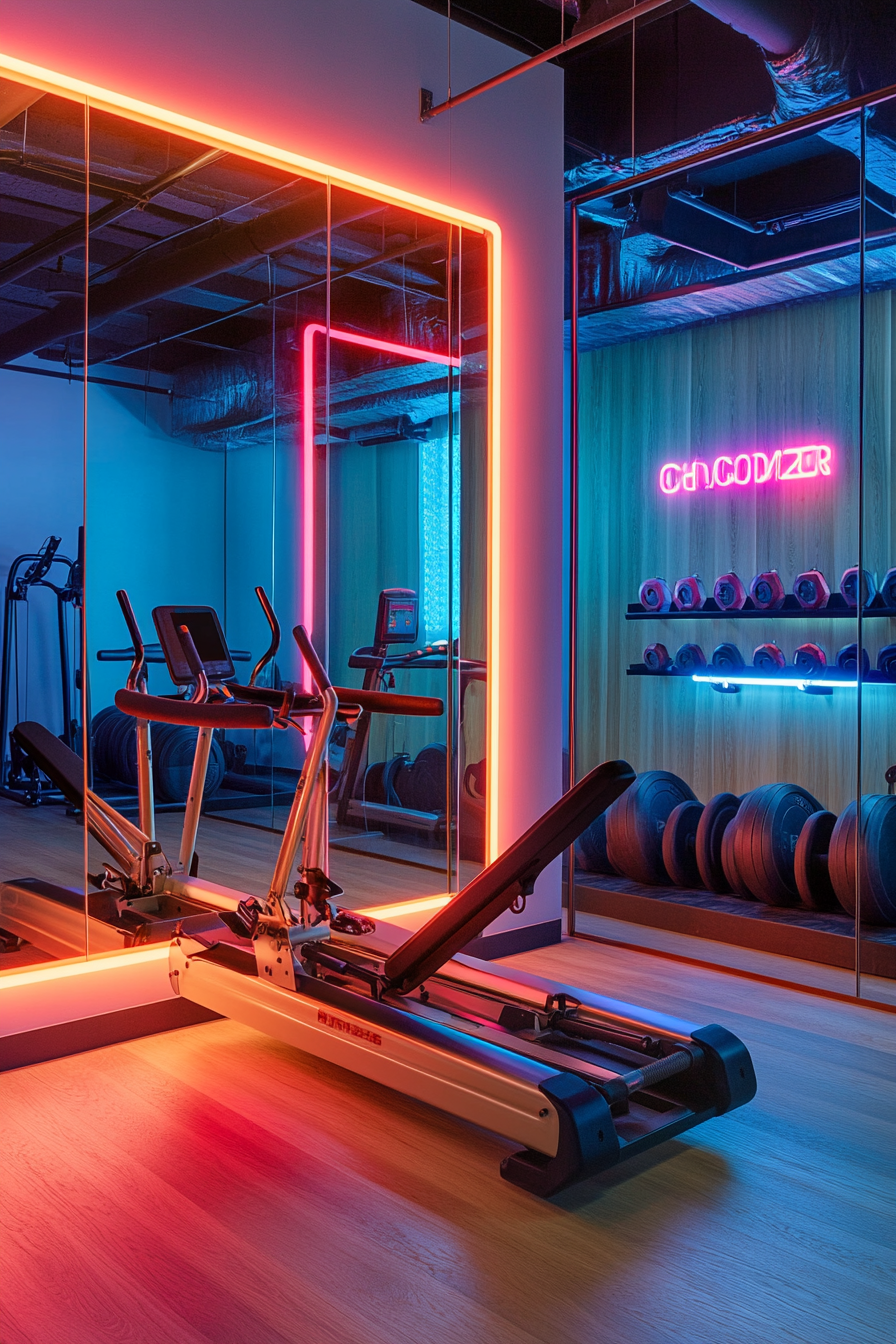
(89, 1033)
(508, 942)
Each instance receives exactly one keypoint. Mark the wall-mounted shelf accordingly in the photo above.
(836, 609)
(824, 682)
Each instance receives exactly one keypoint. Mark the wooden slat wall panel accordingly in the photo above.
(765, 380)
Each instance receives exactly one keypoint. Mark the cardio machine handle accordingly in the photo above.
(195, 664)
(159, 709)
(309, 653)
(388, 702)
(137, 674)
(274, 645)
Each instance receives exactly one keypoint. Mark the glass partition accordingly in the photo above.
(733, 369)
(267, 409)
(46, 195)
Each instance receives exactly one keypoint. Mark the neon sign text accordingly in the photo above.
(785, 464)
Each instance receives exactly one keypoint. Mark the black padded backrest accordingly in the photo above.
(58, 762)
(495, 889)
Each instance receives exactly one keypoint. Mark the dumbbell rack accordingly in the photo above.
(836, 609)
(789, 676)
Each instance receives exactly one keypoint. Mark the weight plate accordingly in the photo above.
(592, 848)
(733, 875)
(679, 838)
(717, 814)
(878, 859)
(426, 786)
(810, 862)
(774, 816)
(636, 821)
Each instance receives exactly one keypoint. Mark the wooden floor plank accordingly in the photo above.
(213, 1186)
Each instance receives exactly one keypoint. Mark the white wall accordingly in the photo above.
(340, 82)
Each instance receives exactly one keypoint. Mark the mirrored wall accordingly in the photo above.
(735, 612)
(232, 386)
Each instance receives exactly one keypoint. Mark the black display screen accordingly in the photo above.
(207, 635)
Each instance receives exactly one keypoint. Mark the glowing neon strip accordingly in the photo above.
(406, 907)
(308, 530)
(784, 464)
(63, 970)
(150, 114)
(801, 685)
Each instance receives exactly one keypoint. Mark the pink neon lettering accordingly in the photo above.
(717, 466)
(690, 474)
(758, 468)
(670, 478)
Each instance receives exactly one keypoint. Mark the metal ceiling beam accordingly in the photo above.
(637, 11)
(72, 236)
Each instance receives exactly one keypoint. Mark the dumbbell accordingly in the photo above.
(767, 590)
(636, 822)
(848, 659)
(825, 860)
(727, 658)
(690, 658)
(689, 594)
(849, 587)
(729, 592)
(810, 658)
(768, 658)
(886, 661)
(811, 590)
(657, 658)
(759, 842)
(655, 595)
(888, 589)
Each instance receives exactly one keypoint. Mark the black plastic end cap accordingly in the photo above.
(732, 1078)
(588, 1141)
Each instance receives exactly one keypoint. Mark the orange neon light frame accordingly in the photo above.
(92, 95)
(350, 338)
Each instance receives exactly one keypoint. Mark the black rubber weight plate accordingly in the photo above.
(773, 817)
(636, 821)
(878, 895)
(679, 837)
(733, 875)
(592, 848)
(717, 814)
(810, 863)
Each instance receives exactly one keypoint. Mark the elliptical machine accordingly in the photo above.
(400, 793)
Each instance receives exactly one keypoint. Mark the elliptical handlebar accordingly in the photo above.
(274, 624)
(196, 665)
(137, 674)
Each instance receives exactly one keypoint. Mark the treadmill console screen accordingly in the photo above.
(205, 628)
(396, 617)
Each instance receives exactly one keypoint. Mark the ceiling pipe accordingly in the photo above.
(780, 27)
(71, 237)
(224, 251)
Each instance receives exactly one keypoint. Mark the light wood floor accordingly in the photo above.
(211, 1186)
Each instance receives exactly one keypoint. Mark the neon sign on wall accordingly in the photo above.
(785, 464)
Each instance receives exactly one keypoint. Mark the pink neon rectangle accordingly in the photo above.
(307, 511)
